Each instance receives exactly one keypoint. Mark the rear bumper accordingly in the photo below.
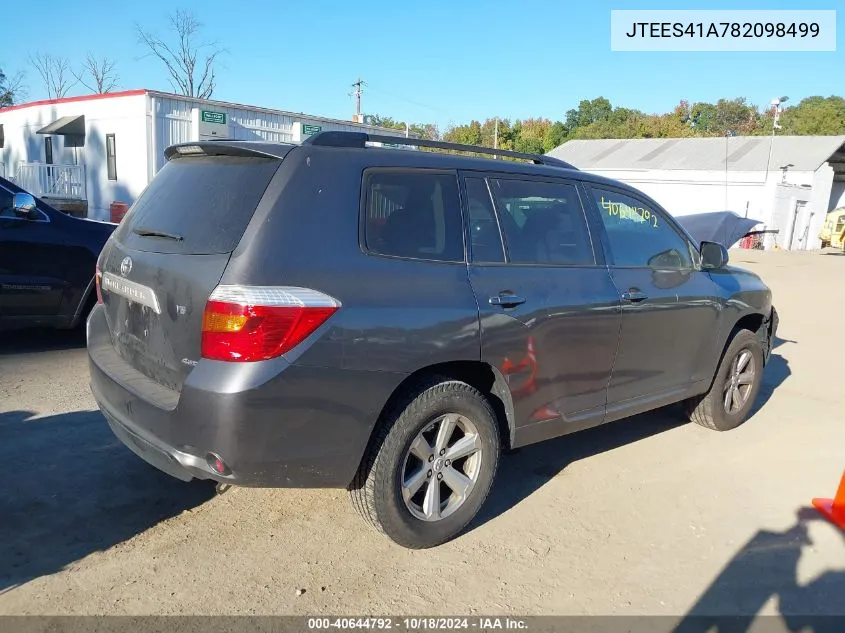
(273, 424)
(166, 458)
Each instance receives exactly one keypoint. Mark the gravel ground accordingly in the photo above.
(645, 516)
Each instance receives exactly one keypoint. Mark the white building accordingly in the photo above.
(83, 153)
(787, 182)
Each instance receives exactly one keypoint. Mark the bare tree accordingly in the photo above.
(55, 74)
(97, 75)
(12, 89)
(189, 63)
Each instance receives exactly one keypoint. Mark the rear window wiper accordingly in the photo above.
(139, 230)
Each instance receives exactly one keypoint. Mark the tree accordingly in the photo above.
(97, 75)
(532, 133)
(427, 131)
(589, 111)
(190, 64)
(814, 116)
(555, 136)
(469, 134)
(55, 74)
(12, 89)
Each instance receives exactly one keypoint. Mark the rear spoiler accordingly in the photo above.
(225, 147)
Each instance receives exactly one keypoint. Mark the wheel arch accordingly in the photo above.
(756, 322)
(483, 376)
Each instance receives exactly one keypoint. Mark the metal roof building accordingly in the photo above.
(787, 182)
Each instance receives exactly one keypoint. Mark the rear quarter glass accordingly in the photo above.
(207, 201)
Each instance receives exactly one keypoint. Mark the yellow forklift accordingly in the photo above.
(833, 231)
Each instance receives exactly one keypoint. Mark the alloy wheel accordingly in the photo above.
(441, 467)
(739, 382)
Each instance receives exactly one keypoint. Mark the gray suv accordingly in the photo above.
(333, 314)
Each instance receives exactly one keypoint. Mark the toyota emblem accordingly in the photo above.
(126, 266)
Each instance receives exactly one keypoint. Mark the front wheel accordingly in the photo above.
(431, 467)
(735, 386)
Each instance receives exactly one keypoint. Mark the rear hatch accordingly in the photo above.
(170, 252)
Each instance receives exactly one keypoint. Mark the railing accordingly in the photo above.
(52, 181)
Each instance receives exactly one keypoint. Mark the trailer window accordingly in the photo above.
(111, 157)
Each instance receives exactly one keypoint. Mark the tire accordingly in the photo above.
(710, 410)
(395, 457)
(825, 243)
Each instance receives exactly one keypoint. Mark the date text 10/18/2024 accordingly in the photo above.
(418, 623)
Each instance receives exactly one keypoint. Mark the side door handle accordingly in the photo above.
(634, 296)
(506, 300)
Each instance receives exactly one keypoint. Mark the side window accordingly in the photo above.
(543, 223)
(485, 239)
(413, 214)
(639, 236)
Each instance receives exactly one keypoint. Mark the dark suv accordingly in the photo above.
(332, 314)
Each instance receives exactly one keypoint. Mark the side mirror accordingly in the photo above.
(713, 255)
(24, 205)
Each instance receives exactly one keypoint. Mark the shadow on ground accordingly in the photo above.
(40, 340)
(766, 567)
(76, 490)
(528, 469)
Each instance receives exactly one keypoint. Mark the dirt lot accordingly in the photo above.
(645, 516)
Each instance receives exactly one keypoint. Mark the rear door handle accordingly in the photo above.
(506, 300)
(634, 296)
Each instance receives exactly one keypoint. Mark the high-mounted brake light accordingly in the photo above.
(189, 149)
(251, 323)
(98, 278)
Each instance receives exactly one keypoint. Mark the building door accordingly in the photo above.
(800, 226)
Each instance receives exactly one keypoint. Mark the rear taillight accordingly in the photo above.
(250, 323)
(98, 277)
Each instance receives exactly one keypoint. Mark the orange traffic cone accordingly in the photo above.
(834, 509)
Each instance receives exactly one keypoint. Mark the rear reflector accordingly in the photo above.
(98, 277)
(251, 323)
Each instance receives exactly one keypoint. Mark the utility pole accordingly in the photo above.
(496, 137)
(776, 103)
(358, 85)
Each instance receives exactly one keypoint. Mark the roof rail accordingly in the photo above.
(360, 140)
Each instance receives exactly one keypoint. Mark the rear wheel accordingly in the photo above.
(735, 386)
(431, 466)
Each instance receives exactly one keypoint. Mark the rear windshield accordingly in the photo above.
(197, 205)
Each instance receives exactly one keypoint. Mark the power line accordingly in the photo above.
(401, 98)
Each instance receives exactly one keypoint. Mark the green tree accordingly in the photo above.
(419, 130)
(469, 134)
(588, 112)
(815, 116)
(532, 135)
(555, 136)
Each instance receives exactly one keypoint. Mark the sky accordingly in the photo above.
(441, 61)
